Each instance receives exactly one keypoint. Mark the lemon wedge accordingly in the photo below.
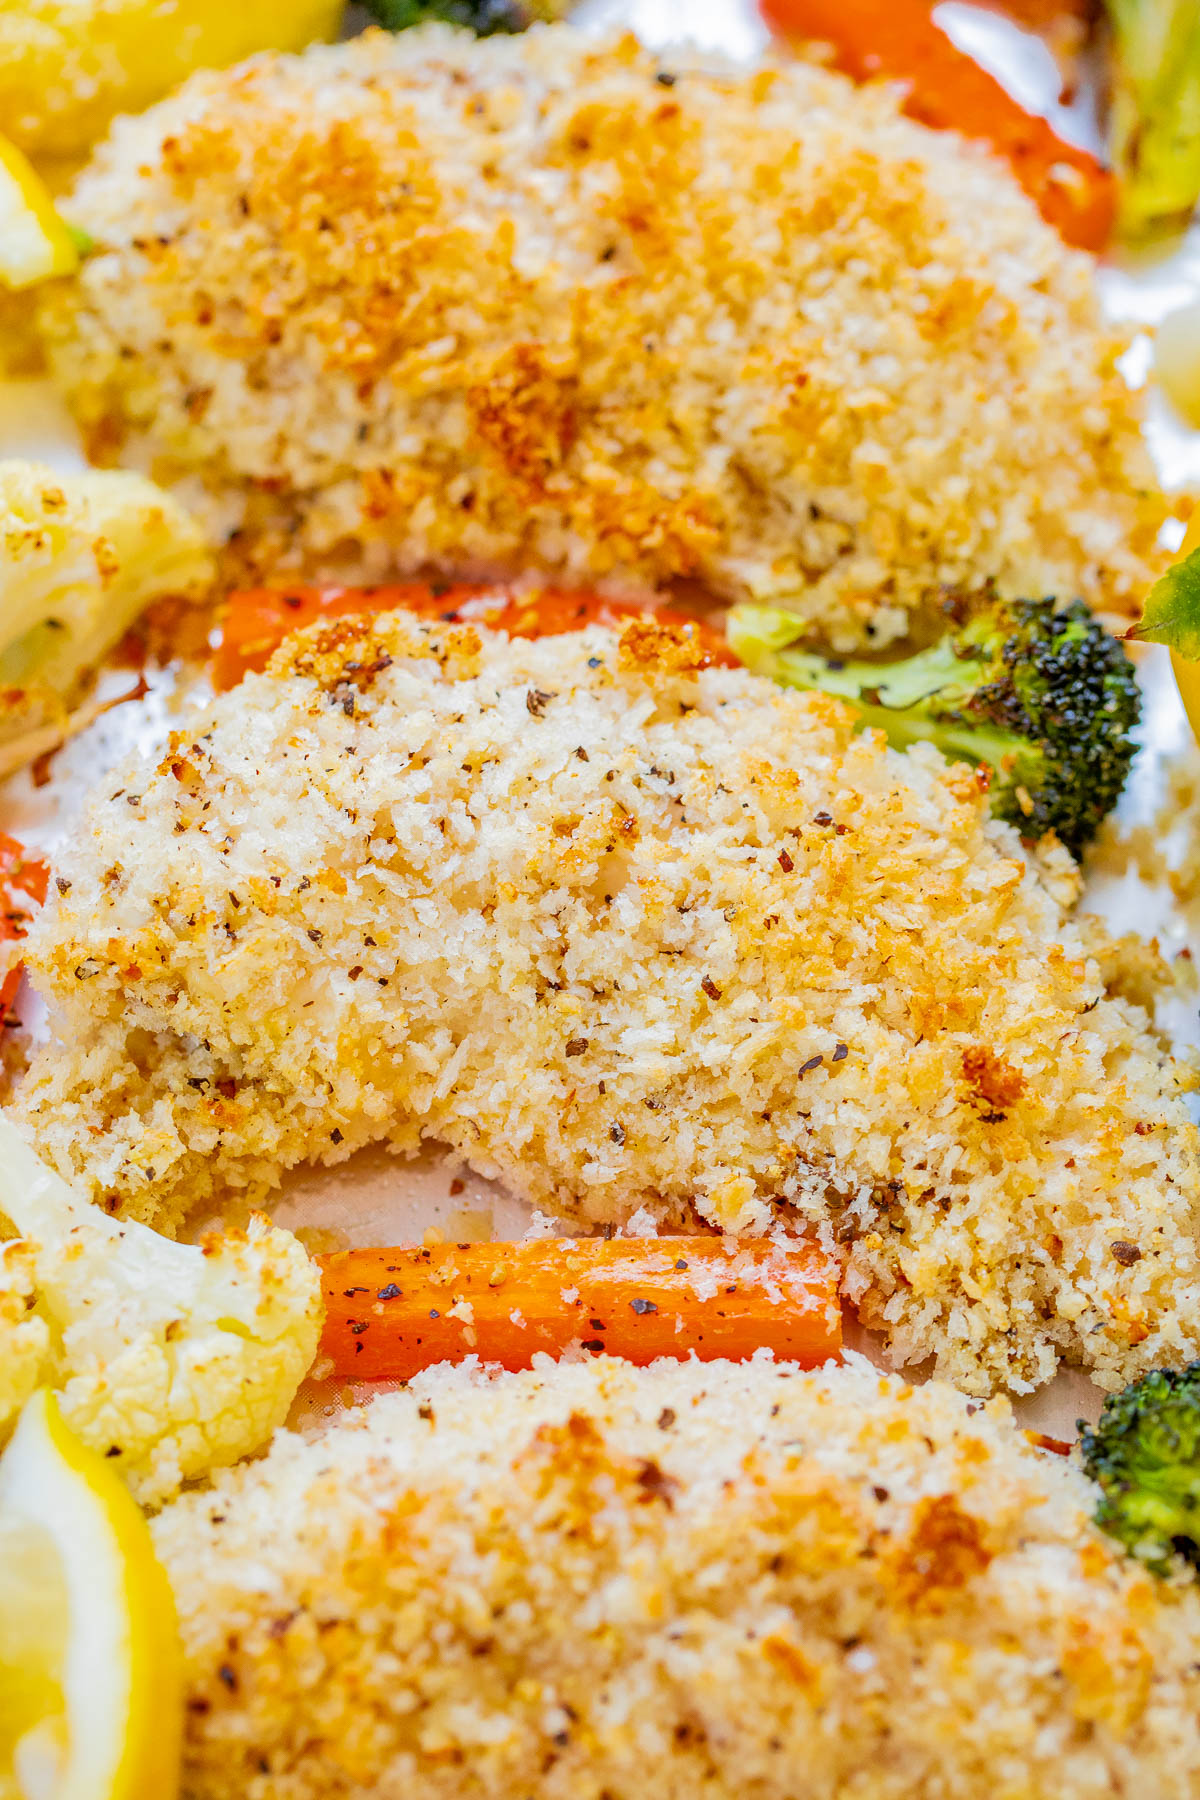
(66, 66)
(90, 1683)
(1187, 674)
(34, 242)
(1187, 680)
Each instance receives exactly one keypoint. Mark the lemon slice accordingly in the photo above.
(1187, 674)
(90, 1684)
(67, 66)
(1187, 679)
(34, 242)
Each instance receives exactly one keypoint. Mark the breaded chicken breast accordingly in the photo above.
(431, 303)
(623, 931)
(696, 1579)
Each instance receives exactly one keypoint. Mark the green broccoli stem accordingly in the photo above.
(918, 700)
(1155, 122)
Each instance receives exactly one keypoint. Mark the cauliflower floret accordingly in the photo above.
(173, 1358)
(80, 557)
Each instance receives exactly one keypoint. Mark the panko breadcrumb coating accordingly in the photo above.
(424, 302)
(702, 1579)
(623, 931)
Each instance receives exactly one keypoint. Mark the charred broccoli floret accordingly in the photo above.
(1144, 1454)
(483, 17)
(1040, 694)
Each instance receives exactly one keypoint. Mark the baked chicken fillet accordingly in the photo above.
(426, 302)
(694, 1579)
(624, 931)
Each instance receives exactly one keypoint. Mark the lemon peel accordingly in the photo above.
(90, 1665)
(35, 244)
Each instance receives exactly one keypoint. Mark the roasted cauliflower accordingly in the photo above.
(172, 1359)
(80, 557)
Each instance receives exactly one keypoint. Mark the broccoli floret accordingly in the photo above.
(1040, 694)
(483, 17)
(1144, 1454)
(1155, 115)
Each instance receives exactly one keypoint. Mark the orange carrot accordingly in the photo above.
(22, 878)
(897, 40)
(257, 620)
(391, 1313)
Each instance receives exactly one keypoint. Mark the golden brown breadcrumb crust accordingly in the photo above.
(622, 933)
(536, 303)
(688, 1581)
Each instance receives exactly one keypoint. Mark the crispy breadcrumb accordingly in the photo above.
(386, 891)
(537, 303)
(697, 1579)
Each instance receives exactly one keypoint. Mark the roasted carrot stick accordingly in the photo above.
(22, 878)
(390, 1313)
(258, 619)
(897, 40)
